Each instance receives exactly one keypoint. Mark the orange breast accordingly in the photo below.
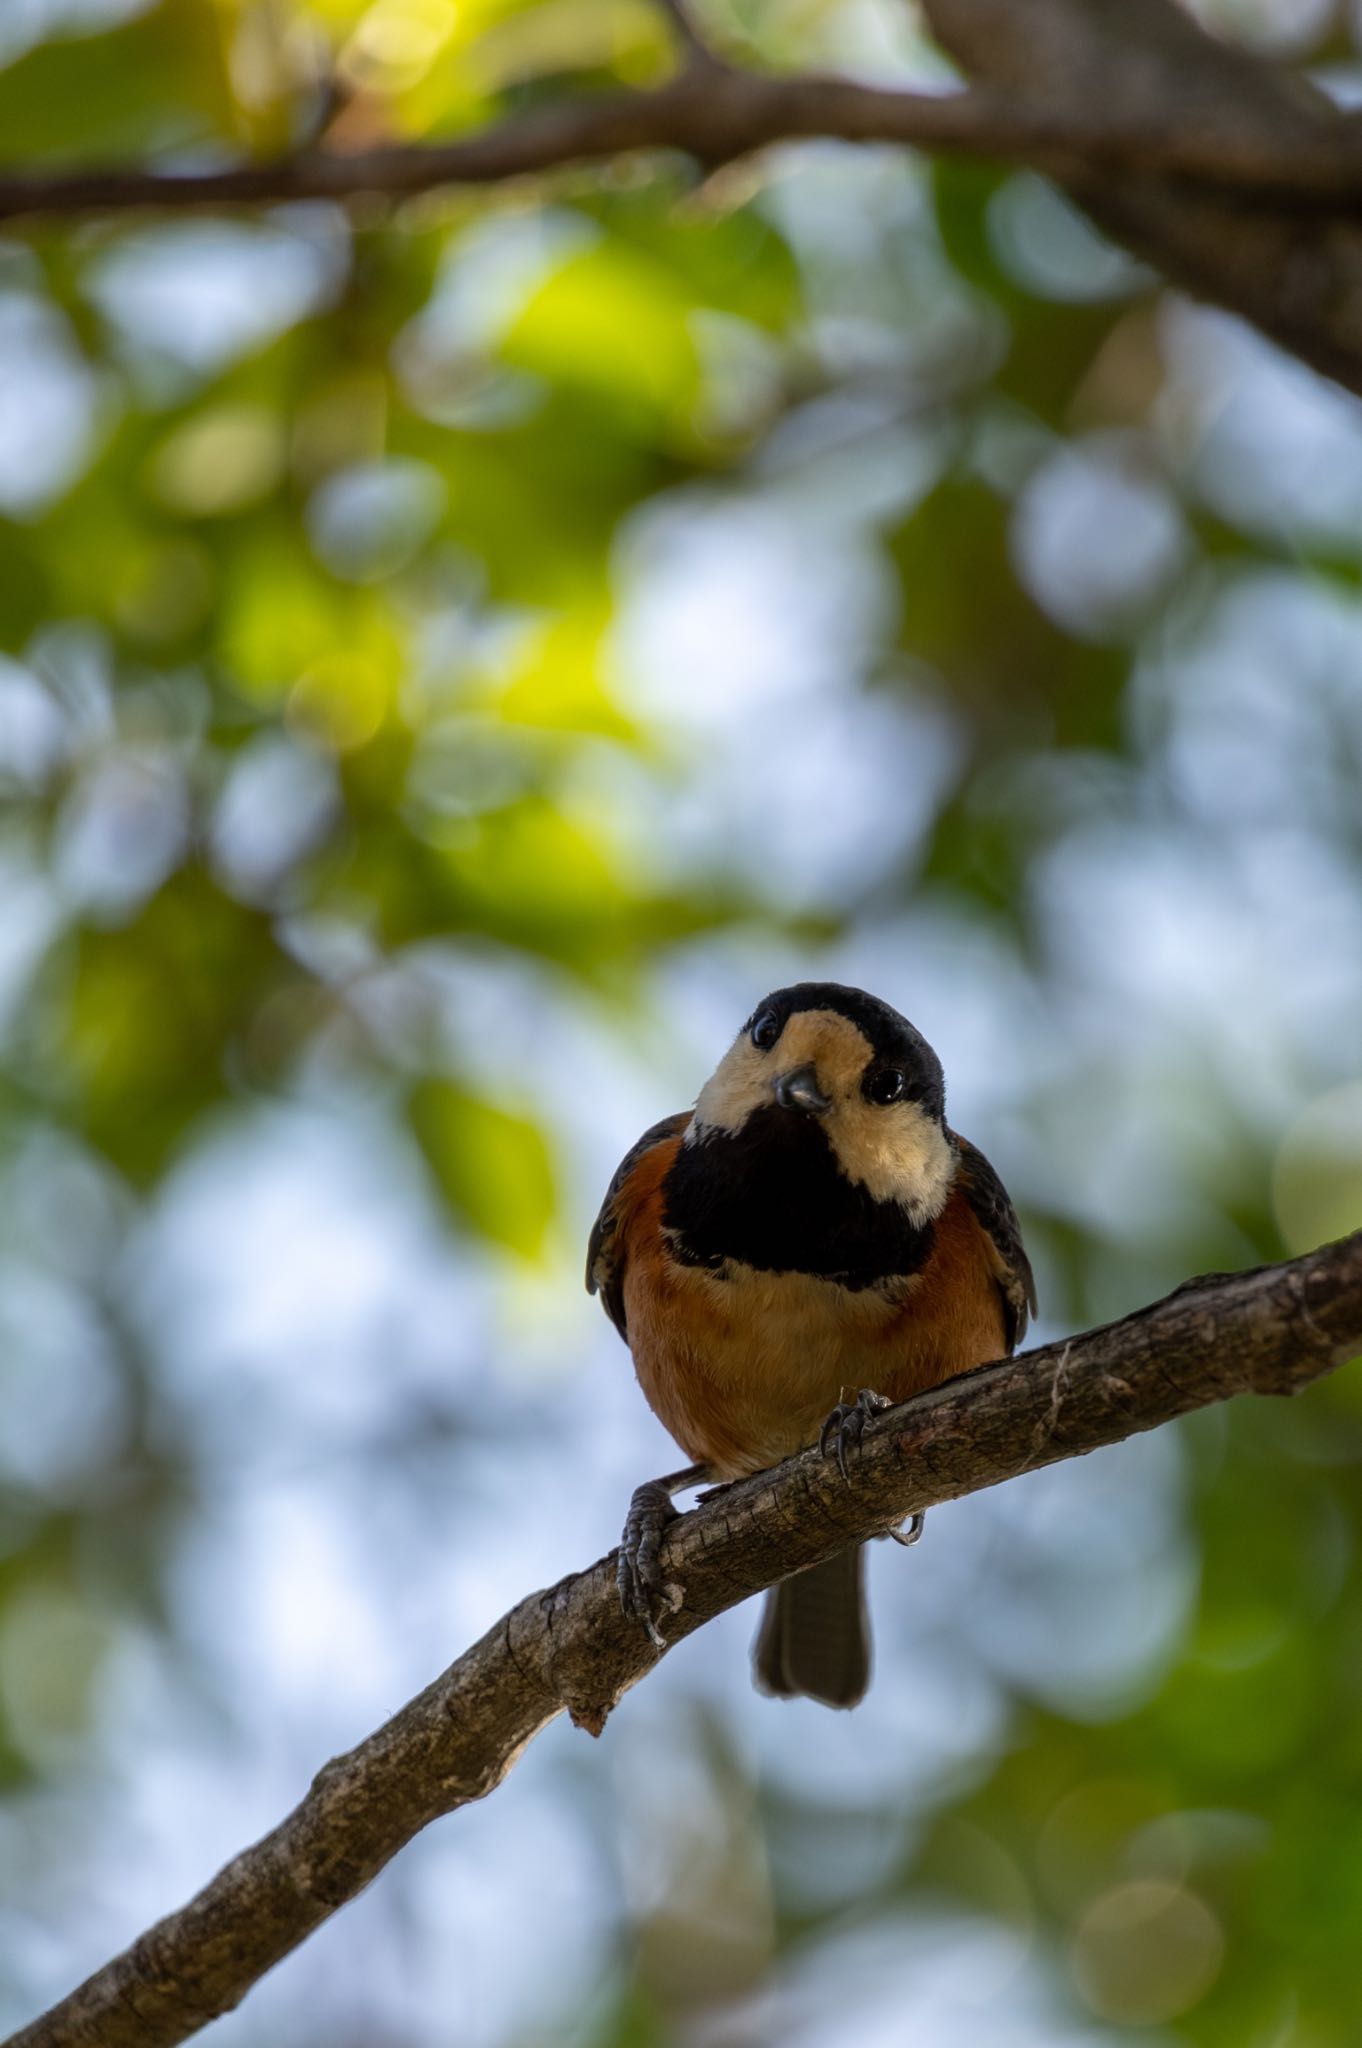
(952, 1317)
(743, 1369)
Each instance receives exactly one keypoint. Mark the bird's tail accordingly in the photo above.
(815, 1634)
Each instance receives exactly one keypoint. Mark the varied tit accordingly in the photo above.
(812, 1227)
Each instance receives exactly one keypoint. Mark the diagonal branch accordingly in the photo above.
(1269, 1331)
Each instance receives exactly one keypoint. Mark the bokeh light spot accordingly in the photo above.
(1146, 1952)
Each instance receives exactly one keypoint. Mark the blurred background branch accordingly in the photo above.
(1297, 280)
(1232, 177)
(1307, 159)
(1270, 1331)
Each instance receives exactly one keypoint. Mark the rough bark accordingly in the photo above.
(1269, 1331)
(1296, 276)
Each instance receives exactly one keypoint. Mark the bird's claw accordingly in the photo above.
(846, 1426)
(909, 1531)
(644, 1593)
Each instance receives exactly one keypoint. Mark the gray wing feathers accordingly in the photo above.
(604, 1267)
(993, 1210)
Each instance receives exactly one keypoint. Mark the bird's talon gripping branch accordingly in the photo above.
(846, 1425)
(645, 1594)
(639, 1575)
(908, 1532)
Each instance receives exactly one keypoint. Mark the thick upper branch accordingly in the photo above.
(1244, 245)
(1270, 1331)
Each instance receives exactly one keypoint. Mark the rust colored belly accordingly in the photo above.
(743, 1369)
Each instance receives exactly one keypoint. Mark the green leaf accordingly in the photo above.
(158, 81)
(492, 1166)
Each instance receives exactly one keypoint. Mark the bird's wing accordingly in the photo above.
(996, 1217)
(605, 1249)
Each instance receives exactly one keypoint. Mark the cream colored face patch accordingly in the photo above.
(745, 1076)
(896, 1152)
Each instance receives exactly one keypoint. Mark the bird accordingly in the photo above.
(812, 1230)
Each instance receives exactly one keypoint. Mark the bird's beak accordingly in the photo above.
(800, 1090)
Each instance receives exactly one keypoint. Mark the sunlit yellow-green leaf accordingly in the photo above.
(333, 656)
(558, 682)
(492, 1165)
(614, 322)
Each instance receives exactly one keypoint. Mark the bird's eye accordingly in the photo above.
(765, 1030)
(885, 1085)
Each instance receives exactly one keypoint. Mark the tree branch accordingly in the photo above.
(1240, 182)
(1310, 157)
(1295, 275)
(1269, 1331)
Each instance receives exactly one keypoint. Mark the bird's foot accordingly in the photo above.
(845, 1426)
(645, 1595)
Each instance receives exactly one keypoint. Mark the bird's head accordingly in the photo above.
(856, 1071)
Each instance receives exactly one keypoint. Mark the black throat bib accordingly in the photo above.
(773, 1196)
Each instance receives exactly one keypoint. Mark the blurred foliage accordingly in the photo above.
(320, 543)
